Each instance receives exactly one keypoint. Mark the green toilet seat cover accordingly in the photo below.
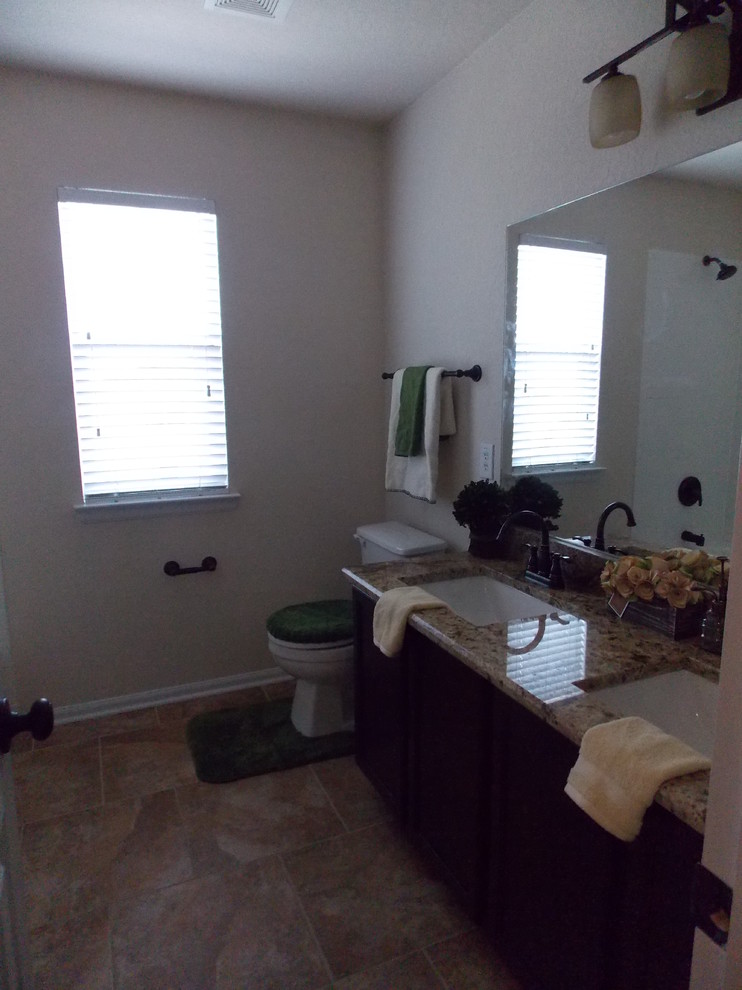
(313, 622)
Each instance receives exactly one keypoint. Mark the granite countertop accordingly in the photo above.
(582, 648)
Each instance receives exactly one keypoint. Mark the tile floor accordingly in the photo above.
(139, 877)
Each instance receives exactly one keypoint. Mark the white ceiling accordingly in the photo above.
(359, 58)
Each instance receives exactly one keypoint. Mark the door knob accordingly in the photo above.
(39, 721)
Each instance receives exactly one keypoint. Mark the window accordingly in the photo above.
(141, 280)
(558, 335)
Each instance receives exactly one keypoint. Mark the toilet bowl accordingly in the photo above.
(313, 641)
(323, 700)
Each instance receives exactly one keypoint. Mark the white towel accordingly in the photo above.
(391, 613)
(620, 768)
(418, 476)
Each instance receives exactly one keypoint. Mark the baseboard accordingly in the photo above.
(164, 696)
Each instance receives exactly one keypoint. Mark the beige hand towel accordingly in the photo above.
(391, 613)
(620, 768)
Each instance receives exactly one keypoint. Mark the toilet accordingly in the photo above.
(313, 641)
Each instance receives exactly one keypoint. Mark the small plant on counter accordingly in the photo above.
(539, 496)
(481, 505)
(484, 506)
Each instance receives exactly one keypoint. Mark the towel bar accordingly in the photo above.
(172, 568)
(475, 373)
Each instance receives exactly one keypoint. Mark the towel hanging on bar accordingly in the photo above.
(418, 475)
(475, 373)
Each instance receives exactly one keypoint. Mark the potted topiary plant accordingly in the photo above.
(539, 496)
(483, 506)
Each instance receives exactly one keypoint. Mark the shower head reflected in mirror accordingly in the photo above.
(725, 271)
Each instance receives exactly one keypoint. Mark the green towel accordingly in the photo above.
(408, 441)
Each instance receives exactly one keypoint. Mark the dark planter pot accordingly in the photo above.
(483, 543)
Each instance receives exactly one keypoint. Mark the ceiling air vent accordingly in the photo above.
(266, 10)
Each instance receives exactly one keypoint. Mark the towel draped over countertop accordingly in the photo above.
(391, 612)
(621, 766)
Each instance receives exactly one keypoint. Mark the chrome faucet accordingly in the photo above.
(630, 521)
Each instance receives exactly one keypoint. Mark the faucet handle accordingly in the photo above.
(532, 564)
(556, 579)
(544, 556)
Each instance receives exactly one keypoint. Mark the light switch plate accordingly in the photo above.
(486, 461)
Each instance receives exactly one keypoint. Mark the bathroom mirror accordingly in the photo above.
(671, 367)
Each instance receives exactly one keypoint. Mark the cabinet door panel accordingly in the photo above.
(450, 766)
(655, 943)
(381, 702)
(559, 869)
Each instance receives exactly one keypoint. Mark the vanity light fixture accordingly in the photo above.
(704, 70)
(698, 66)
(615, 110)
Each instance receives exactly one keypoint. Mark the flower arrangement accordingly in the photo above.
(678, 576)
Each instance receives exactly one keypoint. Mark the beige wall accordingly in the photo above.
(504, 137)
(91, 614)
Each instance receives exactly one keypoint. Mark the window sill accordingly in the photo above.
(140, 508)
(574, 471)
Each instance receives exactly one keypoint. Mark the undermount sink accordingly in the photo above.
(680, 703)
(482, 600)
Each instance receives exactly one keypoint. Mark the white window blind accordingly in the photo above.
(558, 338)
(550, 656)
(141, 279)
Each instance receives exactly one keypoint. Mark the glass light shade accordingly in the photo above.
(615, 111)
(698, 67)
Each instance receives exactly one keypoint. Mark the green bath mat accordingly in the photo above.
(244, 742)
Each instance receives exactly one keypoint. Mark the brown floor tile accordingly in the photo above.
(369, 899)
(237, 930)
(145, 762)
(468, 962)
(93, 728)
(188, 875)
(411, 973)
(73, 956)
(234, 823)
(179, 711)
(55, 781)
(354, 798)
(84, 862)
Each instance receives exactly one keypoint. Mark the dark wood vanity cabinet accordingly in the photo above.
(423, 730)
(451, 773)
(478, 782)
(654, 941)
(580, 909)
(555, 905)
(381, 712)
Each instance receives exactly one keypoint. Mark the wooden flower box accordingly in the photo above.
(678, 623)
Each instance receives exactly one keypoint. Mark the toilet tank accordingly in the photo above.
(394, 541)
